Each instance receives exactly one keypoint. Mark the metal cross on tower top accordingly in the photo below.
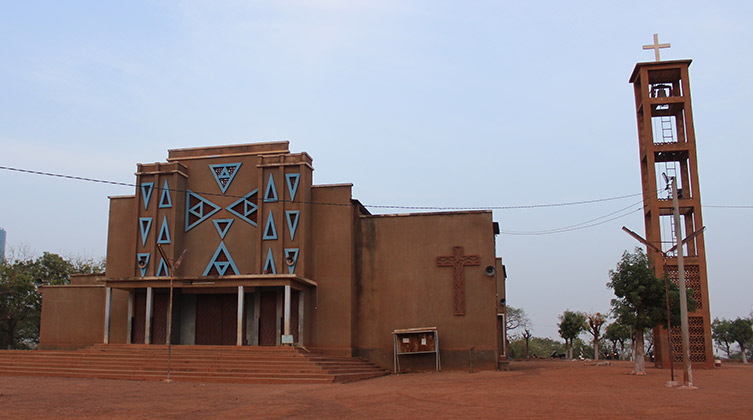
(655, 46)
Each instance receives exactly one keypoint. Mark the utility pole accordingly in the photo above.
(687, 370)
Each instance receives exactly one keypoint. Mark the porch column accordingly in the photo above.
(300, 317)
(108, 308)
(286, 316)
(148, 326)
(129, 338)
(239, 332)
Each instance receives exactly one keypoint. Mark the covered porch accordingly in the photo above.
(242, 310)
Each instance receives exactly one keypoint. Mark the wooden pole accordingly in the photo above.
(687, 370)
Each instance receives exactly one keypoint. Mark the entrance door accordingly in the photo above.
(159, 318)
(138, 327)
(216, 319)
(268, 319)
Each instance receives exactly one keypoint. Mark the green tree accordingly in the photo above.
(741, 331)
(570, 326)
(720, 333)
(516, 318)
(618, 334)
(641, 300)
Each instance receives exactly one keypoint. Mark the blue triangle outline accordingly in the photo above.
(145, 229)
(292, 223)
(146, 255)
(164, 232)
(293, 188)
(201, 214)
(165, 201)
(223, 175)
(270, 262)
(270, 224)
(162, 270)
(214, 263)
(294, 252)
(270, 189)
(222, 232)
(146, 193)
(245, 201)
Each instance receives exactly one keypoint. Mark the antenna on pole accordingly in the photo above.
(170, 269)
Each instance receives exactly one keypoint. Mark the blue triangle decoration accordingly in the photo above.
(198, 209)
(142, 261)
(292, 217)
(162, 269)
(270, 232)
(145, 224)
(270, 194)
(164, 232)
(219, 223)
(293, 180)
(146, 193)
(246, 208)
(221, 261)
(224, 174)
(269, 265)
(165, 202)
(291, 259)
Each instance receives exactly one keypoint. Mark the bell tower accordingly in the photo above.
(668, 149)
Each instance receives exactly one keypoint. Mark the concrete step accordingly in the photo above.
(189, 363)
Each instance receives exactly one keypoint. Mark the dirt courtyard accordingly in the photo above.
(532, 389)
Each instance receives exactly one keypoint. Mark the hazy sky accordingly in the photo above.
(417, 103)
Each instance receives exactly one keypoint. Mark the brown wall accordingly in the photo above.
(332, 322)
(401, 286)
(73, 316)
(121, 237)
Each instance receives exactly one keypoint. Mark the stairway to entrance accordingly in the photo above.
(249, 365)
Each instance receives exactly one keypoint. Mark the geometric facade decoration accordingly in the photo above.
(222, 226)
(269, 263)
(270, 232)
(291, 259)
(224, 174)
(292, 217)
(142, 261)
(165, 202)
(162, 268)
(198, 209)
(270, 194)
(292, 181)
(145, 224)
(245, 207)
(146, 193)
(221, 262)
(164, 232)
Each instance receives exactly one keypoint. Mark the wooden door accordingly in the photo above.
(208, 320)
(138, 328)
(268, 319)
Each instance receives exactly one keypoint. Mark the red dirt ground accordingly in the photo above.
(533, 389)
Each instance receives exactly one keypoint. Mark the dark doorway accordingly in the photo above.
(268, 319)
(138, 328)
(216, 319)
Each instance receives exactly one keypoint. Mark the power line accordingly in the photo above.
(376, 206)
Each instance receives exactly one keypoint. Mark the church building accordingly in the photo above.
(236, 246)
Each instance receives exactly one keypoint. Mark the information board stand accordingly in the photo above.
(416, 341)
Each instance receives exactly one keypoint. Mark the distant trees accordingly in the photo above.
(741, 331)
(516, 318)
(720, 333)
(641, 300)
(618, 334)
(570, 326)
(20, 300)
(595, 322)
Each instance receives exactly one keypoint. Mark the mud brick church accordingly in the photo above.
(273, 260)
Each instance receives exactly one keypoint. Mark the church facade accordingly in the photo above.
(235, 245)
